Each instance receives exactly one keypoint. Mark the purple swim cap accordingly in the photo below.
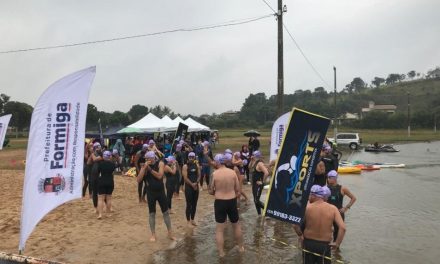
(107, 154)
(332, 174)
(150, 155)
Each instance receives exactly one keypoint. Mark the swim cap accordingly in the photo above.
(326, 192)
(144, 147)
(205, 143)
(237, 154)
(150, 155)
(178, 147)
(227, 157)
(171, 159)
(245, 162)
(151, 142)
(332, 174)
(192, 154)
(107, 154)
(219, 158)
(228, 151)
(317, 191)
(96, 144)
(256, 154)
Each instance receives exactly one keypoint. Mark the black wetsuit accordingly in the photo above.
(191, 195)
(155, 190)
(257, 189)
(245, 156)
(86, 178)
(93, 182)
(142, 187)
(320, 179)
(337, 199)
(171, 186)
(105, 179)
(331, 162)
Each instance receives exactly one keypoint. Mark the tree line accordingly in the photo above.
(259, 110)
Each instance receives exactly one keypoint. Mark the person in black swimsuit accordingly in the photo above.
(105, 183)
(153, 171)
(191, 176)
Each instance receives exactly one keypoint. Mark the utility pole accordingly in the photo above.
(280, 97)
(409, 117)
(335, 117)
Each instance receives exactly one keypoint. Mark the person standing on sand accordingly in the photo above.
(337, 198)
(259, 174)
(191, 176)
(153, 171)
(95, 159)
(171, 175)
(316, 234)
(226, 189)
(105, 183)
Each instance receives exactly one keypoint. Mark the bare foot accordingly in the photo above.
(99, 217)
(241, 249)
(170, 236)
(189, 224)
(171, 212)
(221, 254)
(153, 238)
(193, 223)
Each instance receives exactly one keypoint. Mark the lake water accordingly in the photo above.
(396, 218)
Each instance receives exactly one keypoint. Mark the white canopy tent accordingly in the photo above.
(149, 123)
(195, 126)
(152, 124)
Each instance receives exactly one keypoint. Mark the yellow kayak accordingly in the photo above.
(349, 169)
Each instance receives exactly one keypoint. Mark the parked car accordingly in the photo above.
(352, 140)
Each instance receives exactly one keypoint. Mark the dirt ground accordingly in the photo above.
(72, 234)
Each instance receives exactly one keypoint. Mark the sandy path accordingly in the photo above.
(71, 233)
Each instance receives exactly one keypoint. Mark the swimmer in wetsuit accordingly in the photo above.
(153, 171)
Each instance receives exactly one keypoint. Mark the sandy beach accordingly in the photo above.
(72, 234)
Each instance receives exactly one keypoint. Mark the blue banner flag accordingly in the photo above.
(294, 170)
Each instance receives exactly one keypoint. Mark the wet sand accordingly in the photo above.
(72, 234)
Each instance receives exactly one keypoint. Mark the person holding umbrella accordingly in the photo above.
(254, 143)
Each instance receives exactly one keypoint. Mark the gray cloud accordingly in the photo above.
(214, 70)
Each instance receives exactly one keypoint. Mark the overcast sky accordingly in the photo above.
(212, 70)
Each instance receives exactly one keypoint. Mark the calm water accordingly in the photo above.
(396, 218)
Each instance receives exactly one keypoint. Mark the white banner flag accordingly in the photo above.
(54, 160)
(4, 122)
(278, 129)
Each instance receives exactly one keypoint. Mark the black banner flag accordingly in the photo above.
(294, 170)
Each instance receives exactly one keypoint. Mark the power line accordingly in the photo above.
(219, 25)
(305, 57)
(269, 6)
(300, 50)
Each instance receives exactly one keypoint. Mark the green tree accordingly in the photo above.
(377, 81)
(392, 78)
(118, 119)
(136, 112)
(411, 74)
(21, 114)
(92, 117)
(4, 99)
(255, 109)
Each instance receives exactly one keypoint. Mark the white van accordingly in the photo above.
(351, 139)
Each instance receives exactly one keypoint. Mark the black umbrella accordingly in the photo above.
(252, 133)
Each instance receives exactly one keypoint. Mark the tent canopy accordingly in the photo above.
(152, 124)
(195, 126)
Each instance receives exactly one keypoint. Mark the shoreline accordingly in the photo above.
(72, 234)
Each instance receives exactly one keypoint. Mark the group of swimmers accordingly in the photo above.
(188, 169)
